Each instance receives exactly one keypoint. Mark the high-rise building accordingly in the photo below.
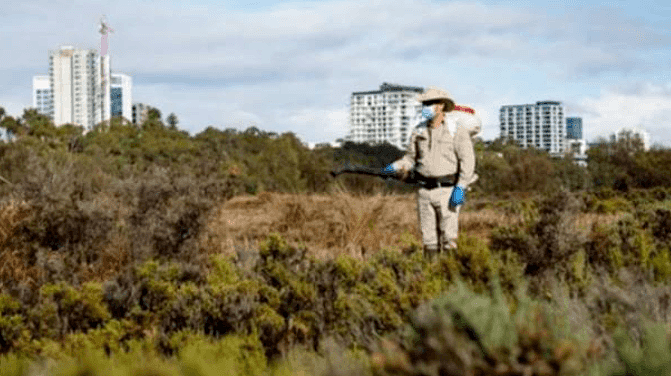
(140, 113)
(74, 79)
(42, 98)
(384, 115)
(539, 125)
(79, 89)
(121, 97)
(574, 128)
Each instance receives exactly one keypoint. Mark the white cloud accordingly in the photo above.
(292, 66)
(318, 124)
(13, 108)
(648, 107)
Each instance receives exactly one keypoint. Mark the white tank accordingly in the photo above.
(467, 118)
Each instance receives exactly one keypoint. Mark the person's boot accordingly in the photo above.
(430, 251)
(450, 247)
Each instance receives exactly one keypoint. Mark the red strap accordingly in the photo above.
(465, 109)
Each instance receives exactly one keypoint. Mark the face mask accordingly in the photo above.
(428, 113)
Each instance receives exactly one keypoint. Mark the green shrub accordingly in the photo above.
(64, 309)
(548, 240)
(661, 265)
(476, 264)
(230, 355)
(14, 365)
(12, 322)
(613, 205)
(625, 243)
(658, 220)
(579, 274)
(467, 333)
(651, 357)
(515, 238)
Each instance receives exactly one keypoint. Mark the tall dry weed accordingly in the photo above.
(361, 223)
(12, 265)
(12, 212)
(328, 225)
(481, 222)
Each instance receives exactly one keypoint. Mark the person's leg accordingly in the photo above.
(427, 222)
(449, 220)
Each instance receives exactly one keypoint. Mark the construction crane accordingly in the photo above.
(105, 29)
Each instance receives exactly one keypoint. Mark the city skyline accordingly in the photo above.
(291, 67)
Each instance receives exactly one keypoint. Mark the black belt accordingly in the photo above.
(439, 182)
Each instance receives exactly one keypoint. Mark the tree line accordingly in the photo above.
(256, 160)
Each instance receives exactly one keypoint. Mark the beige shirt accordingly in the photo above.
(439, 152)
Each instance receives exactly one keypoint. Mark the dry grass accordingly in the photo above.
(12, 265)
(338, 223)
(480, 223)
(11, 214)
(113, 258)
(327, 224)
(586, 221)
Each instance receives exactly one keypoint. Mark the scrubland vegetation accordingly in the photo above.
(146, 251)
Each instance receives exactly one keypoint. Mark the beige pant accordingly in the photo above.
(437, 220)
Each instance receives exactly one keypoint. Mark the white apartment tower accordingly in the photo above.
(388, 114)
(74, 80)
(121, 100)
(42, 99)
(541, 125)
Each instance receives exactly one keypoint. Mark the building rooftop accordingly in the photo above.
(391, 87)
(540, 103)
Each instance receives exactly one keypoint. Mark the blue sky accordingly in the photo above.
(291, 66)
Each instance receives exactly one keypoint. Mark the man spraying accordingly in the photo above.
(441, 154)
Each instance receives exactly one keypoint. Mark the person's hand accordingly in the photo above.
(457, 197)
(402, 173)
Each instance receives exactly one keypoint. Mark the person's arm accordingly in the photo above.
(407, 162)
(465, 156)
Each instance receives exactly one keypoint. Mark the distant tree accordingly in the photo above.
(628, 141)
(172, 121)
(12, 126)
(253, 131)
(2, 114)
(153, 120)
(153, 114)
(38, 125)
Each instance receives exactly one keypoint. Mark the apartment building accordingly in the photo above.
(121, 99)
(140, 113)
(74, 80)
(43, 101)
(541, 125)
(574, 128)
(385, 115)
(74, 91)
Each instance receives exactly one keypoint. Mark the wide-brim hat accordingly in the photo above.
(433, 94)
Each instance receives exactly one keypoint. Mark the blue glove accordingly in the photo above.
(457, 197)
(389, 169)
